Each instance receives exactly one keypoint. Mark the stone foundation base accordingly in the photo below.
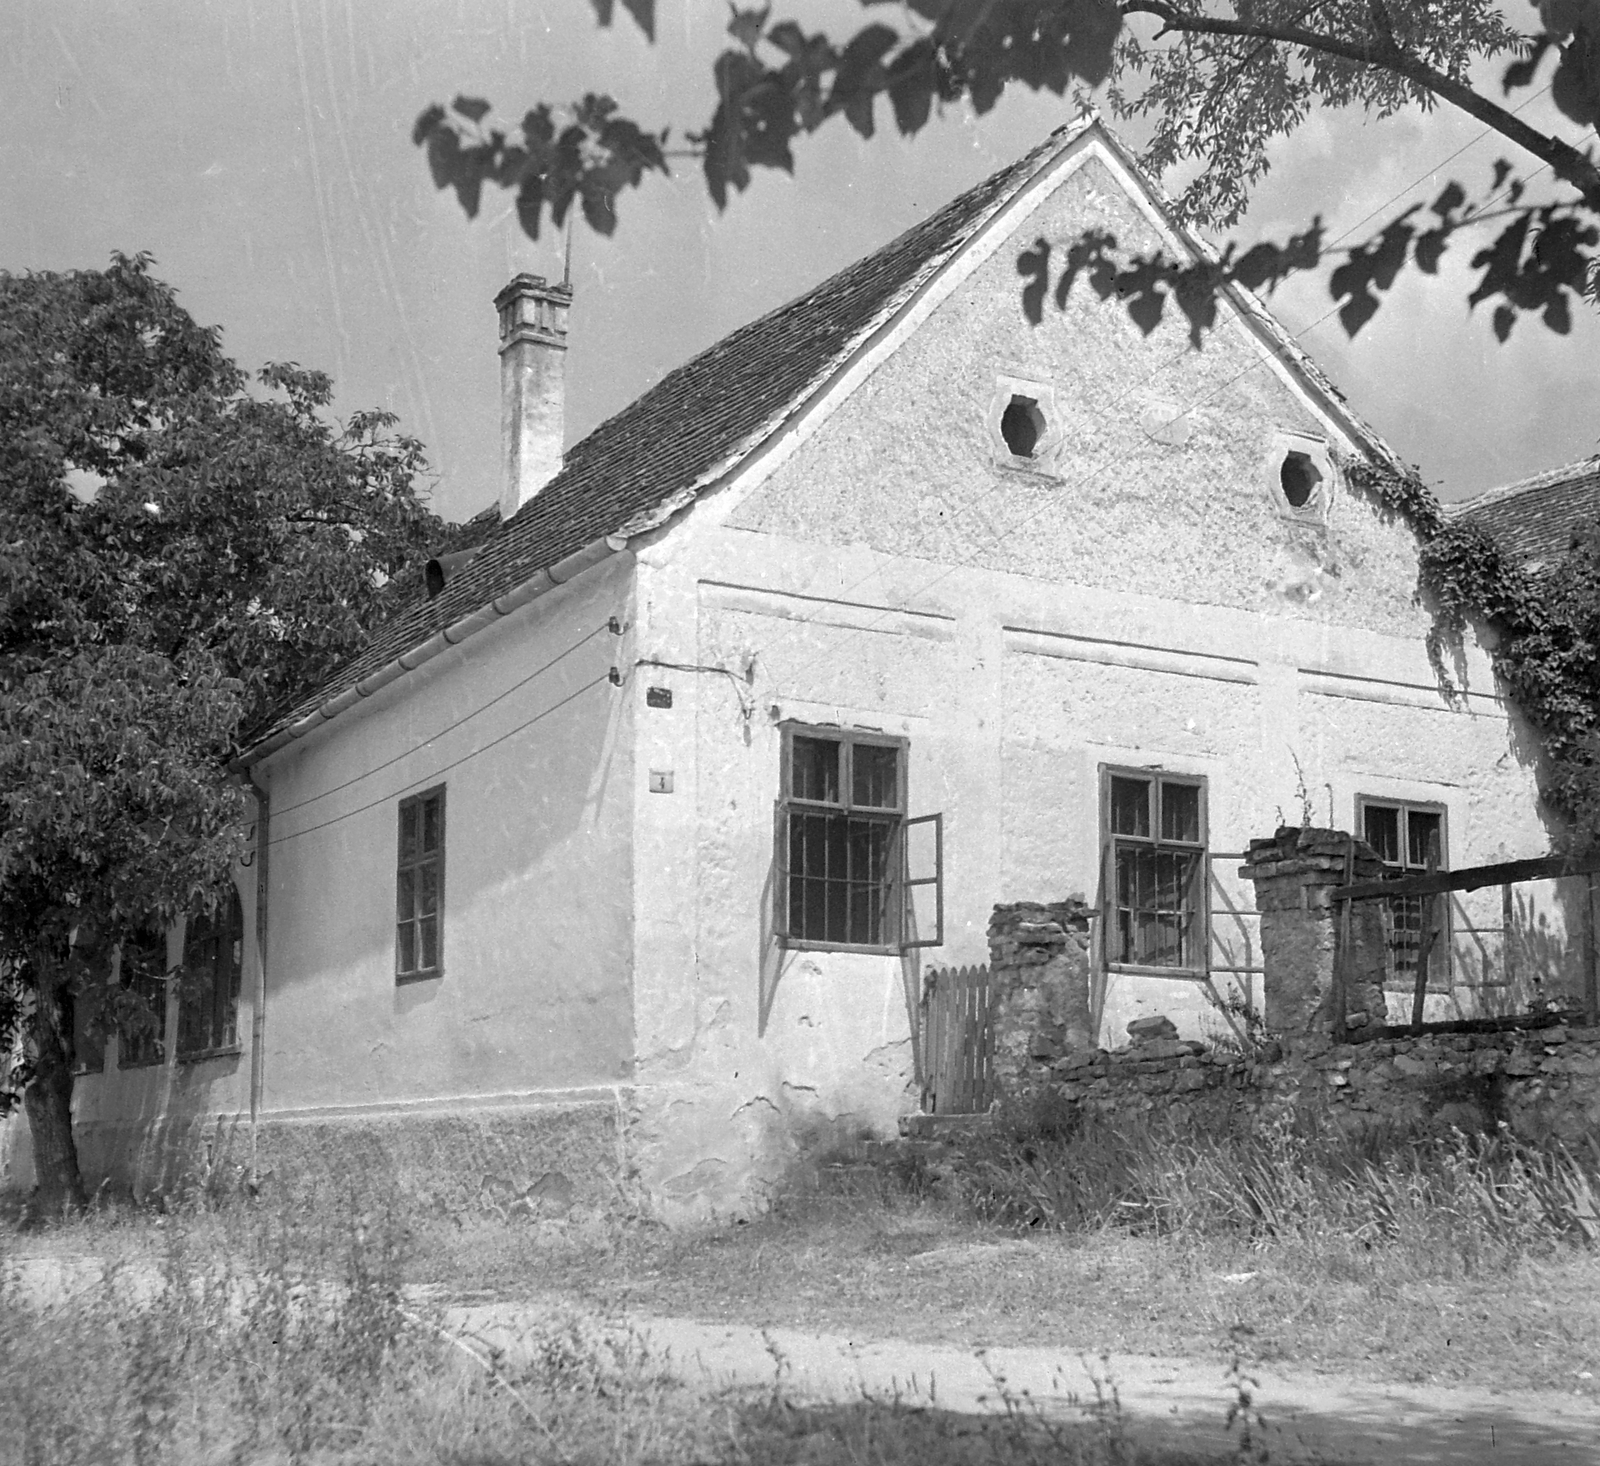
(536, 1158)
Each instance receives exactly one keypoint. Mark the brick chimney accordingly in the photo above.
(533, 360)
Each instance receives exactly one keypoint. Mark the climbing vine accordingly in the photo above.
(1545, 634)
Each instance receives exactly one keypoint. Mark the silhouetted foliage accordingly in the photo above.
(1220, 79)
(179, 556)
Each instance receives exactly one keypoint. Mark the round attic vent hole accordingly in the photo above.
(1300, 478)
(1022, 425)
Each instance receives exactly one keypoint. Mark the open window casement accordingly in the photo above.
(922, 882)
(908, 887)
(843, 849)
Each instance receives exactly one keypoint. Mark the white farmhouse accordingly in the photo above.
(609, 863)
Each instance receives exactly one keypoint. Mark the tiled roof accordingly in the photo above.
(690, 427)
(1535, 519)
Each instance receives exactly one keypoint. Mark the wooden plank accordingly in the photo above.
(1541, 868)
(1419, 995)
(1591, 975)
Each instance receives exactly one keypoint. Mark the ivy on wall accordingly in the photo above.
(1545, 634)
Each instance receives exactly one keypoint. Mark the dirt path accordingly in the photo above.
(1307, 1417)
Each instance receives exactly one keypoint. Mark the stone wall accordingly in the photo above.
(1039, 972)
(1543, 1083)
(1325, 1054)
(1295, 872)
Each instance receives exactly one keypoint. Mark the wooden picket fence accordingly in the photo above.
(957, 1042)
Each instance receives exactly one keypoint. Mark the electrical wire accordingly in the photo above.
(439, 773)
(448, 728)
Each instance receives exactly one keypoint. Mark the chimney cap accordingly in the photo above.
(535, 285)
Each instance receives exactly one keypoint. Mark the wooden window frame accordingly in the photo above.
(894, 882)
(1200, 934)
(1393, 979)
(417, 862)
(145, 1050)
(224, 969)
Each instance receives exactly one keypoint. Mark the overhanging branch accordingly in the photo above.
(1380, 50)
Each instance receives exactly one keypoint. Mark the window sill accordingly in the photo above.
(131, 1064)
(1133, 969)
(227, 1051)
(405, 979)
(798, 944)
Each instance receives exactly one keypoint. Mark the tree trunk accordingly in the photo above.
(48, 1099)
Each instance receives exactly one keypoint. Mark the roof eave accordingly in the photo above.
(547, 578)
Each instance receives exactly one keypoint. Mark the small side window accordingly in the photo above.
(419, 888)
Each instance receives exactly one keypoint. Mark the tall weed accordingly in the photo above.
(1452, 1206)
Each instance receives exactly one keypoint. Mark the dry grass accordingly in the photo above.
(1441, 1265)
(268, 1334)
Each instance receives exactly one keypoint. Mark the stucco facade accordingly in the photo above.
(1136, 594)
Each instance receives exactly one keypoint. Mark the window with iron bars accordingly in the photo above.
(1410, 839)
(840, 824)
(1153, 827)
(850, 870)
(208, 995)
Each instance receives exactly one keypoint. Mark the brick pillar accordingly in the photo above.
(1294, 873)
(1039, 976)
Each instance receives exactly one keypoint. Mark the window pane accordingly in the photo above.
(875, 776)
(868, 852)
(1424, 842)
(1180, 812)
(1381, 830)
(427, 889)
(1157, 905)
(1130, 806)
(405, 906)
(428, 941)
(408, 832)
(814, 770)
(406, 947)
(430, 824)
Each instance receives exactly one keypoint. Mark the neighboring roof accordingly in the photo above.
(639, 467)
(1534, 520)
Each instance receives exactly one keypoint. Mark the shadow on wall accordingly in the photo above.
(1528, 952)
(538, 798)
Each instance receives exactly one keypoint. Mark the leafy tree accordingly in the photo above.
(222, 552)
(1219, 79)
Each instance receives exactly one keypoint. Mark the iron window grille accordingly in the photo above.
(1153, 829)
(208, 998)
(1410, 839)
(841, 877)
(419, 888)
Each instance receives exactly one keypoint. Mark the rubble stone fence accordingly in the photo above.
(1325, 1049)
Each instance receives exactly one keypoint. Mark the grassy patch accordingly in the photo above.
(1463, 1262)
(261, 1334)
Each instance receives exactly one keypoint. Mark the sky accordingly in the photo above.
(260, 150)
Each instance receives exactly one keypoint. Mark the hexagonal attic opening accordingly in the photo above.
(1022, 425)
(1300, 479)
